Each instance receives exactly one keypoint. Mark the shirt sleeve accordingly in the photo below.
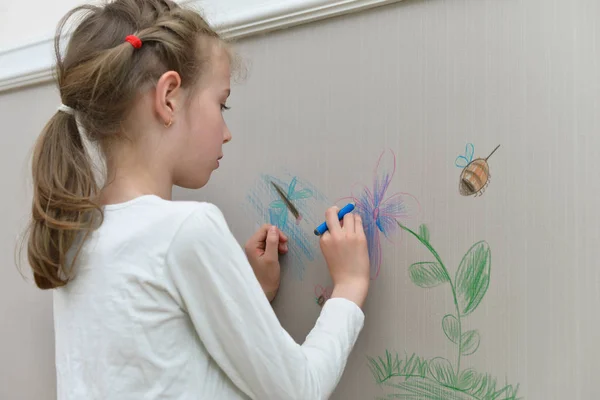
(235, 321)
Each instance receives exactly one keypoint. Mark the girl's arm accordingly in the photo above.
(218, 289)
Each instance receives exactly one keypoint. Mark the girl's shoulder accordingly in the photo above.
(195, 215)
(202, 233)
(194, 219)
(194, 210)
(155, 220)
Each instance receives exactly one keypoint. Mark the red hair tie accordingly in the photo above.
(134, 40)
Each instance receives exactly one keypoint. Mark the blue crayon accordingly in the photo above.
(321, 229)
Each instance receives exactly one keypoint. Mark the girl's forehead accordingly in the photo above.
(219, 69)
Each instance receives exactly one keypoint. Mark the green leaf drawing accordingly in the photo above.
(427, 389)
(442, 371)
(468, 379)
(473, 277)
(470, 343)
(427, 274)
(438, 379)
(424, 232)
(451, 328)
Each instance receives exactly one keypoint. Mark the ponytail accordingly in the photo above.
(64, 206)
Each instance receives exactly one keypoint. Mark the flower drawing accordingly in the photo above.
(379, 211)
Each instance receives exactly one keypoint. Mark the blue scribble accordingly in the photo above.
(267, 203)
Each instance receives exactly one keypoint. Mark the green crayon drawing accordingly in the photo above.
(413, 377)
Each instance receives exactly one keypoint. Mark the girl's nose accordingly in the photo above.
(227, 136)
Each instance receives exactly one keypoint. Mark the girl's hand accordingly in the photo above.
(263, 250)
(344, 247)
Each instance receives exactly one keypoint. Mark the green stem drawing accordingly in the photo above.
(438, 379)
(425, 242)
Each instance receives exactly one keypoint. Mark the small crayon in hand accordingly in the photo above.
(321, 229)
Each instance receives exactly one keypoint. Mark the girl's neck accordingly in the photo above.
(124, 184)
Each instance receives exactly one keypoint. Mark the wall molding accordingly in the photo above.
(32, 64)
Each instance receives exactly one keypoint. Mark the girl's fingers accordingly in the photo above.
(349, 222)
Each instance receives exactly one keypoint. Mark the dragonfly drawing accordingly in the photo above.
(280, 211)
(380, 211)
(269, 200)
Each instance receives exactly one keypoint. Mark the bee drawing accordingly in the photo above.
(475, 176)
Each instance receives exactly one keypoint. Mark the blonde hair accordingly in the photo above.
(99, 78)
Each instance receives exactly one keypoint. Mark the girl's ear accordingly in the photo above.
(168, 95)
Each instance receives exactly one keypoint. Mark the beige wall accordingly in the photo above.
(26, 336)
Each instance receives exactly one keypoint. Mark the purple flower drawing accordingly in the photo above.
(380, 212)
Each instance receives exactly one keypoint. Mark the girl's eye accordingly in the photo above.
(224, 107)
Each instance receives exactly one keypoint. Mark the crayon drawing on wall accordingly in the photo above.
(379, 211)
(269, 206)
(475, 176)
(414, 377)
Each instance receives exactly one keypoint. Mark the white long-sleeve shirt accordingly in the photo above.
(164, 305)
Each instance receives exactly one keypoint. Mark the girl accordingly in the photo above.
(154, 298)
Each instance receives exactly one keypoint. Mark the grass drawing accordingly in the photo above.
(413, 377)
(386, 368)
